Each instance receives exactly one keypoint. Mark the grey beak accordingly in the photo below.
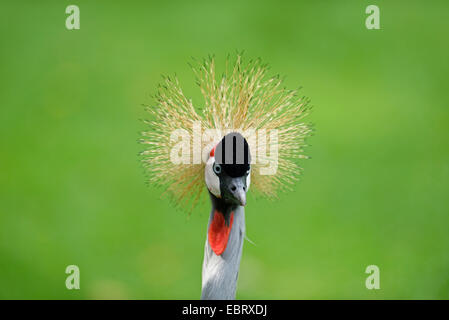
(238, 190)
(241, 197)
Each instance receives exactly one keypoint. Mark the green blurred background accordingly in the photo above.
(374, 192)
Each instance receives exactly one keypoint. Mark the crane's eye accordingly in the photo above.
(217, 168)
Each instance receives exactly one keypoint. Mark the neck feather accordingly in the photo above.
(220, 271)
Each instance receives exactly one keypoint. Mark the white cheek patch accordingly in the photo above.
(248, 181)
(212, 180)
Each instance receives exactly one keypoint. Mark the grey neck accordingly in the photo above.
(220, 273)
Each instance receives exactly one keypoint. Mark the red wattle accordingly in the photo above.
(218, 234)
(212, 152)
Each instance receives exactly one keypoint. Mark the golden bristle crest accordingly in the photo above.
(244, 99)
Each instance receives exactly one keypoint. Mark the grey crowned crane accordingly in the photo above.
(249, 131)
(227, 181)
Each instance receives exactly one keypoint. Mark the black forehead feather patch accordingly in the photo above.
(233, 154)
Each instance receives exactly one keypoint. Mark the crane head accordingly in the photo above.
(228, 169)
